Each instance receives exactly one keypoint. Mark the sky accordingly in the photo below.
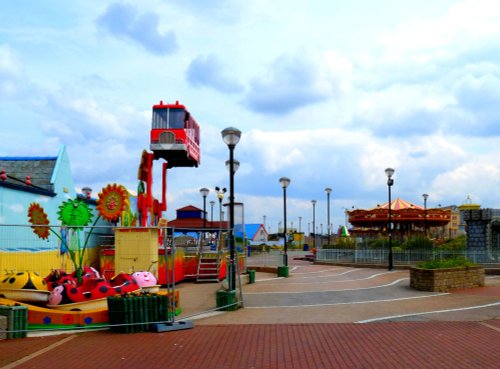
(327, 93)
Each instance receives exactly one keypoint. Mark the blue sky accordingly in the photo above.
(327, 93)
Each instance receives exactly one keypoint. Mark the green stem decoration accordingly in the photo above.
(71, 252)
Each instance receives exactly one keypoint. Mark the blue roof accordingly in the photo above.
(250, 230)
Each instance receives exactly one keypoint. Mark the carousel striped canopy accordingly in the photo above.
(399, 204)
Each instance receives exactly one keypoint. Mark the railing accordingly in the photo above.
(22, 250)
(272, 258)
(370, 256)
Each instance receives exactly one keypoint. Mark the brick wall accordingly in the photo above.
(444, 280)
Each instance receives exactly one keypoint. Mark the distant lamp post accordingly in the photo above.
(212, 203)
(390, 172)
(284, 181)
(328, 191)
(300, 232)
(231, 136)
(204, 192)
(425, 196)
(313, 202)
(220, 195)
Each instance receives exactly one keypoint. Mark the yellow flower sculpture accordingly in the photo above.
(37, 215)
(112, 201)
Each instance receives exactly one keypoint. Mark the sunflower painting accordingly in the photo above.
(74, 215)
(37, 216)
(112, 201)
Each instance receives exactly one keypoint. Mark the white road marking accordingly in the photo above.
(335, 275)
(346, 289)
(429, 312)
(345, 303)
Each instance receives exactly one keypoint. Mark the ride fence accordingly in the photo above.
(171, 255)
(406, 258)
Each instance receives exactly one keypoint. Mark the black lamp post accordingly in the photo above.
(328, 191)
(204, 192)
(313, 202)
(425, 196)
(390, 172)
(220, 196)
(284, 181)
(300, 232)
(231, 136)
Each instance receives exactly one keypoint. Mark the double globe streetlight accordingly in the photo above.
(231, 136)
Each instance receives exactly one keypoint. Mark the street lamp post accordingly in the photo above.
(220, 196)
(212, 203)
(390, 172)
(300, 232)
(204, 192)
(231, 136)
(313, 202)
(284, 181)
(425, 196)
(328, 191)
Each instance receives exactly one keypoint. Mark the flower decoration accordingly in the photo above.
(112, 201)
(37, 215)
(74, 213)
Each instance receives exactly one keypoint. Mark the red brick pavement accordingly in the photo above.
(453, 345)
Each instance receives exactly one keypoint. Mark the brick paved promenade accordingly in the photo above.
(406, 329)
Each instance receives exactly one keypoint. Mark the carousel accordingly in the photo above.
(408, 219)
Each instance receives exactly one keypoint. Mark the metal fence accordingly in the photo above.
(370, 256)
(177, 252)
(272, 258)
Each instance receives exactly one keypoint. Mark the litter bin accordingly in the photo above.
(17, 320)
(306, 247)
(251, 276)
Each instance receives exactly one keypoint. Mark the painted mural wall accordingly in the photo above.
(20, 248)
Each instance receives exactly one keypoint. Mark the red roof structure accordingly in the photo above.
(407, 218)
(191, 217)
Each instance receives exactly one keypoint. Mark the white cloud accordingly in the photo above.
(331, 97)
(477, 177)
(17, 208)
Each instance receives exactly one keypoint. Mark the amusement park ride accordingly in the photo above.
(175, 138)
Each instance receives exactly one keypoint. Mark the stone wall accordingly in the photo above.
(477, 228)
(446, 279)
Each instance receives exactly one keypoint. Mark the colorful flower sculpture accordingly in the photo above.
(112, 201)
(37, 215)
(76, 214)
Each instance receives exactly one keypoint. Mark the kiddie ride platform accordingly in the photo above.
(76, 315)
(69, 304)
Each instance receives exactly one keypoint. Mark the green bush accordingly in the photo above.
(345, 243)
(418, 243)
(457, 262)
(382, 243)
(458, 243)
